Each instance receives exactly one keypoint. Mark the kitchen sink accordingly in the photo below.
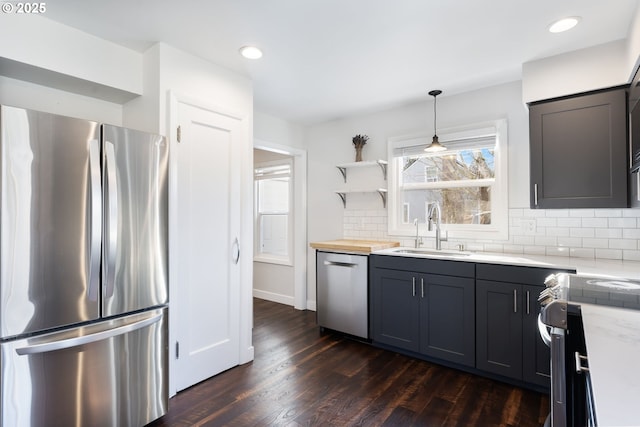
(430, 252)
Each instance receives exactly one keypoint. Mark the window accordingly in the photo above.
(469, 181)
(273, 211)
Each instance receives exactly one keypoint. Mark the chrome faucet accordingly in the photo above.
(434, 210)
(418, 238)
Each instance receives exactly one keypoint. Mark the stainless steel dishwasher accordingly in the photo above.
(342, 292)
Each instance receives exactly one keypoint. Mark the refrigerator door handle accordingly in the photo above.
(87, 339)
(94, 214)
(111, 220)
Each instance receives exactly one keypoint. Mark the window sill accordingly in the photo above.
(267, 259)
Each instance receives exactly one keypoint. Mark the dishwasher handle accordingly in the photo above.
(341, 264)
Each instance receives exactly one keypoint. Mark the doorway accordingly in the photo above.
(280, 268)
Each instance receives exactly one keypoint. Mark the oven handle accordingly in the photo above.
(544, 332)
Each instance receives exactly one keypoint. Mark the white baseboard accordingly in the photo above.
(273, 297)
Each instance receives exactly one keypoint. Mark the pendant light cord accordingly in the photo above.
(435, 99)
(435, 94)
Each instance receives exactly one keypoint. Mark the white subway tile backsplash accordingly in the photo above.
(513, 249)
(546, 222)
(534, 250)
(557, 251)
(609, 213)
(582, 252)
(584, 233)
(535, 213)
(609, 253)
(595, 222)
(494, 247)
(609, 233)
(556, 213)
(622, 222)
(474, 247)
(557, 231)
(631, 233)
(546, 241)
(524, 240)
(595, 243)
(631, 255)
(570, 242)
(631, 244)
(570, 222)
(582, 213)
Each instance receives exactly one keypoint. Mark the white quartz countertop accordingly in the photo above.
(587, 266)
(612, 337)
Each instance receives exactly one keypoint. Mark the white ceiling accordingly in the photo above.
(325, 59)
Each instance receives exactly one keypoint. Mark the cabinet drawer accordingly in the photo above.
(515, 273)
(424, 265)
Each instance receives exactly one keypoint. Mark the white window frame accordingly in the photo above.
(257, 254)
(499, 227)
(406, 213)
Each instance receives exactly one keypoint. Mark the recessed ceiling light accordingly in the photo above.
(564, 24)
(250, 52)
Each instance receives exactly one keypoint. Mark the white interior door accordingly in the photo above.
(208, 227)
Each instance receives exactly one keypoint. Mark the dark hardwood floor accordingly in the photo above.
(302, 377)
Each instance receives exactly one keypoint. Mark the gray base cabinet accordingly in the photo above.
(447, 321)
(430, 314)
(535, 362)
(480, 317)
(396, 310)
(499, 328)
(507, 339)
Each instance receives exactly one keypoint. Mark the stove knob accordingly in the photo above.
(545, 294)
(546, 300)
(551, 281)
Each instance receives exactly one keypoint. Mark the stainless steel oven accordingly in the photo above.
(560, 324)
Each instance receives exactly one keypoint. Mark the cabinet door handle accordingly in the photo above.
(515, 301)
(414, 286)
(422, 287)
(528, 309)
(535, 194)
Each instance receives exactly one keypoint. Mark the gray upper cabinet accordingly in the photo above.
(578, 148)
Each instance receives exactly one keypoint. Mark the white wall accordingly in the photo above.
(144, 112)
(278, 131)
(42, 51)
(51, 67)
(597, 67)
(19, 93)
(633, 45)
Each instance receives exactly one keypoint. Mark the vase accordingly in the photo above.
(358, 154)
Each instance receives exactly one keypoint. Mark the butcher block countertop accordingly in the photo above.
(348, 245)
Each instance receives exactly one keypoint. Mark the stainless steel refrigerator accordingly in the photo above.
(83, 272)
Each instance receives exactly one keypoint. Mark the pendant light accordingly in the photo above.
(435, 146)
